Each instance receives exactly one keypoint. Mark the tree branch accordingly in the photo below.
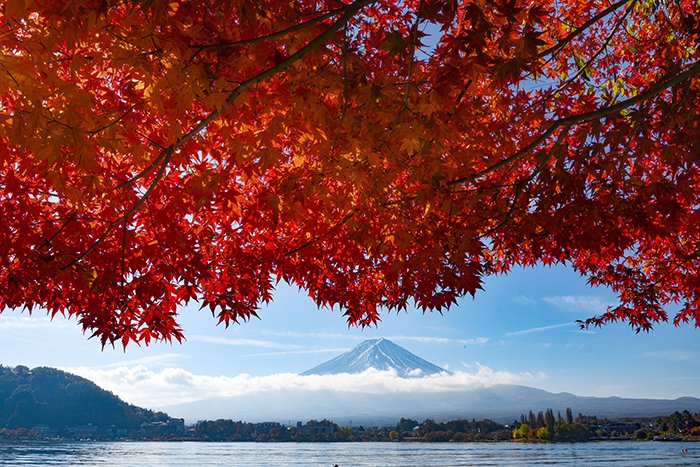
(283, 32)
(316, 239)
(48, 241)
(168, 152)
(584, 117)
(562, 43)
(519, 186)
(113, 122)
(604, 46)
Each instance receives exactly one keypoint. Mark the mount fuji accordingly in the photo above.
(380, 354)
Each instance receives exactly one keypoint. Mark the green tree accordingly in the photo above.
(406, 424)
(549, 419)
(569, 416)
(531, 419)
(540, 420)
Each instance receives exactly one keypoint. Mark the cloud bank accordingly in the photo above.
(172, 386)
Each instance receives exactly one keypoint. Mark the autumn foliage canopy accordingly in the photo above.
(375, 153)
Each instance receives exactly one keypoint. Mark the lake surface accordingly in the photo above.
(347, 454)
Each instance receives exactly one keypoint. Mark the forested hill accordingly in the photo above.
(46, 396)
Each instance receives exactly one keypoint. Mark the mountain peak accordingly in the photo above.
(380, 354)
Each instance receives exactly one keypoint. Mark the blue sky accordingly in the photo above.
(520, 329)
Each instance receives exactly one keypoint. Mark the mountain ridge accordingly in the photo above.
(55, 398)
(501, 403)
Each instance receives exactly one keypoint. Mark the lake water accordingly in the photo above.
(348, 454)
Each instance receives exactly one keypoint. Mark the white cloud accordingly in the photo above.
(171, 386)
(32, 322)
(525, 299)
(36, 331)
(539, 329)
(242, 342)
(587, 303)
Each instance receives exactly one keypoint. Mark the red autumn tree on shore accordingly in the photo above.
(373, 153)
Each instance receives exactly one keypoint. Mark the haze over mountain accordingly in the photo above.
(378, 382)
(502, 403)
(380, 354)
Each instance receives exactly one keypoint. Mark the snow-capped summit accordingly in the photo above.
(380, 354)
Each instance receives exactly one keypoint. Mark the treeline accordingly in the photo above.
(228, 430)
(454, 430)
(406, 429)
(547, 427)
(542, 426)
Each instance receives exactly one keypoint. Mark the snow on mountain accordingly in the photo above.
(380, 354)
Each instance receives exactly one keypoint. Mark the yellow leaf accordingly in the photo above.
(410, 145)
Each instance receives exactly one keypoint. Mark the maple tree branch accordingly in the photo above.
(48, 241)
(320, 39)
(463, 92)
(146, 170)
(582, 69)
(282, 32)
(519, 186)
(165, 155)
(603, 47)
(316, 239)
(584, 117)
(281, 66)
(547, 157)
(650, 285)
(9, 73)
(562, 43)
(169, 153)
(649, 93)
(113, 122)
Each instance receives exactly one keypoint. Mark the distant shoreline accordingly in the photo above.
(542, 428)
